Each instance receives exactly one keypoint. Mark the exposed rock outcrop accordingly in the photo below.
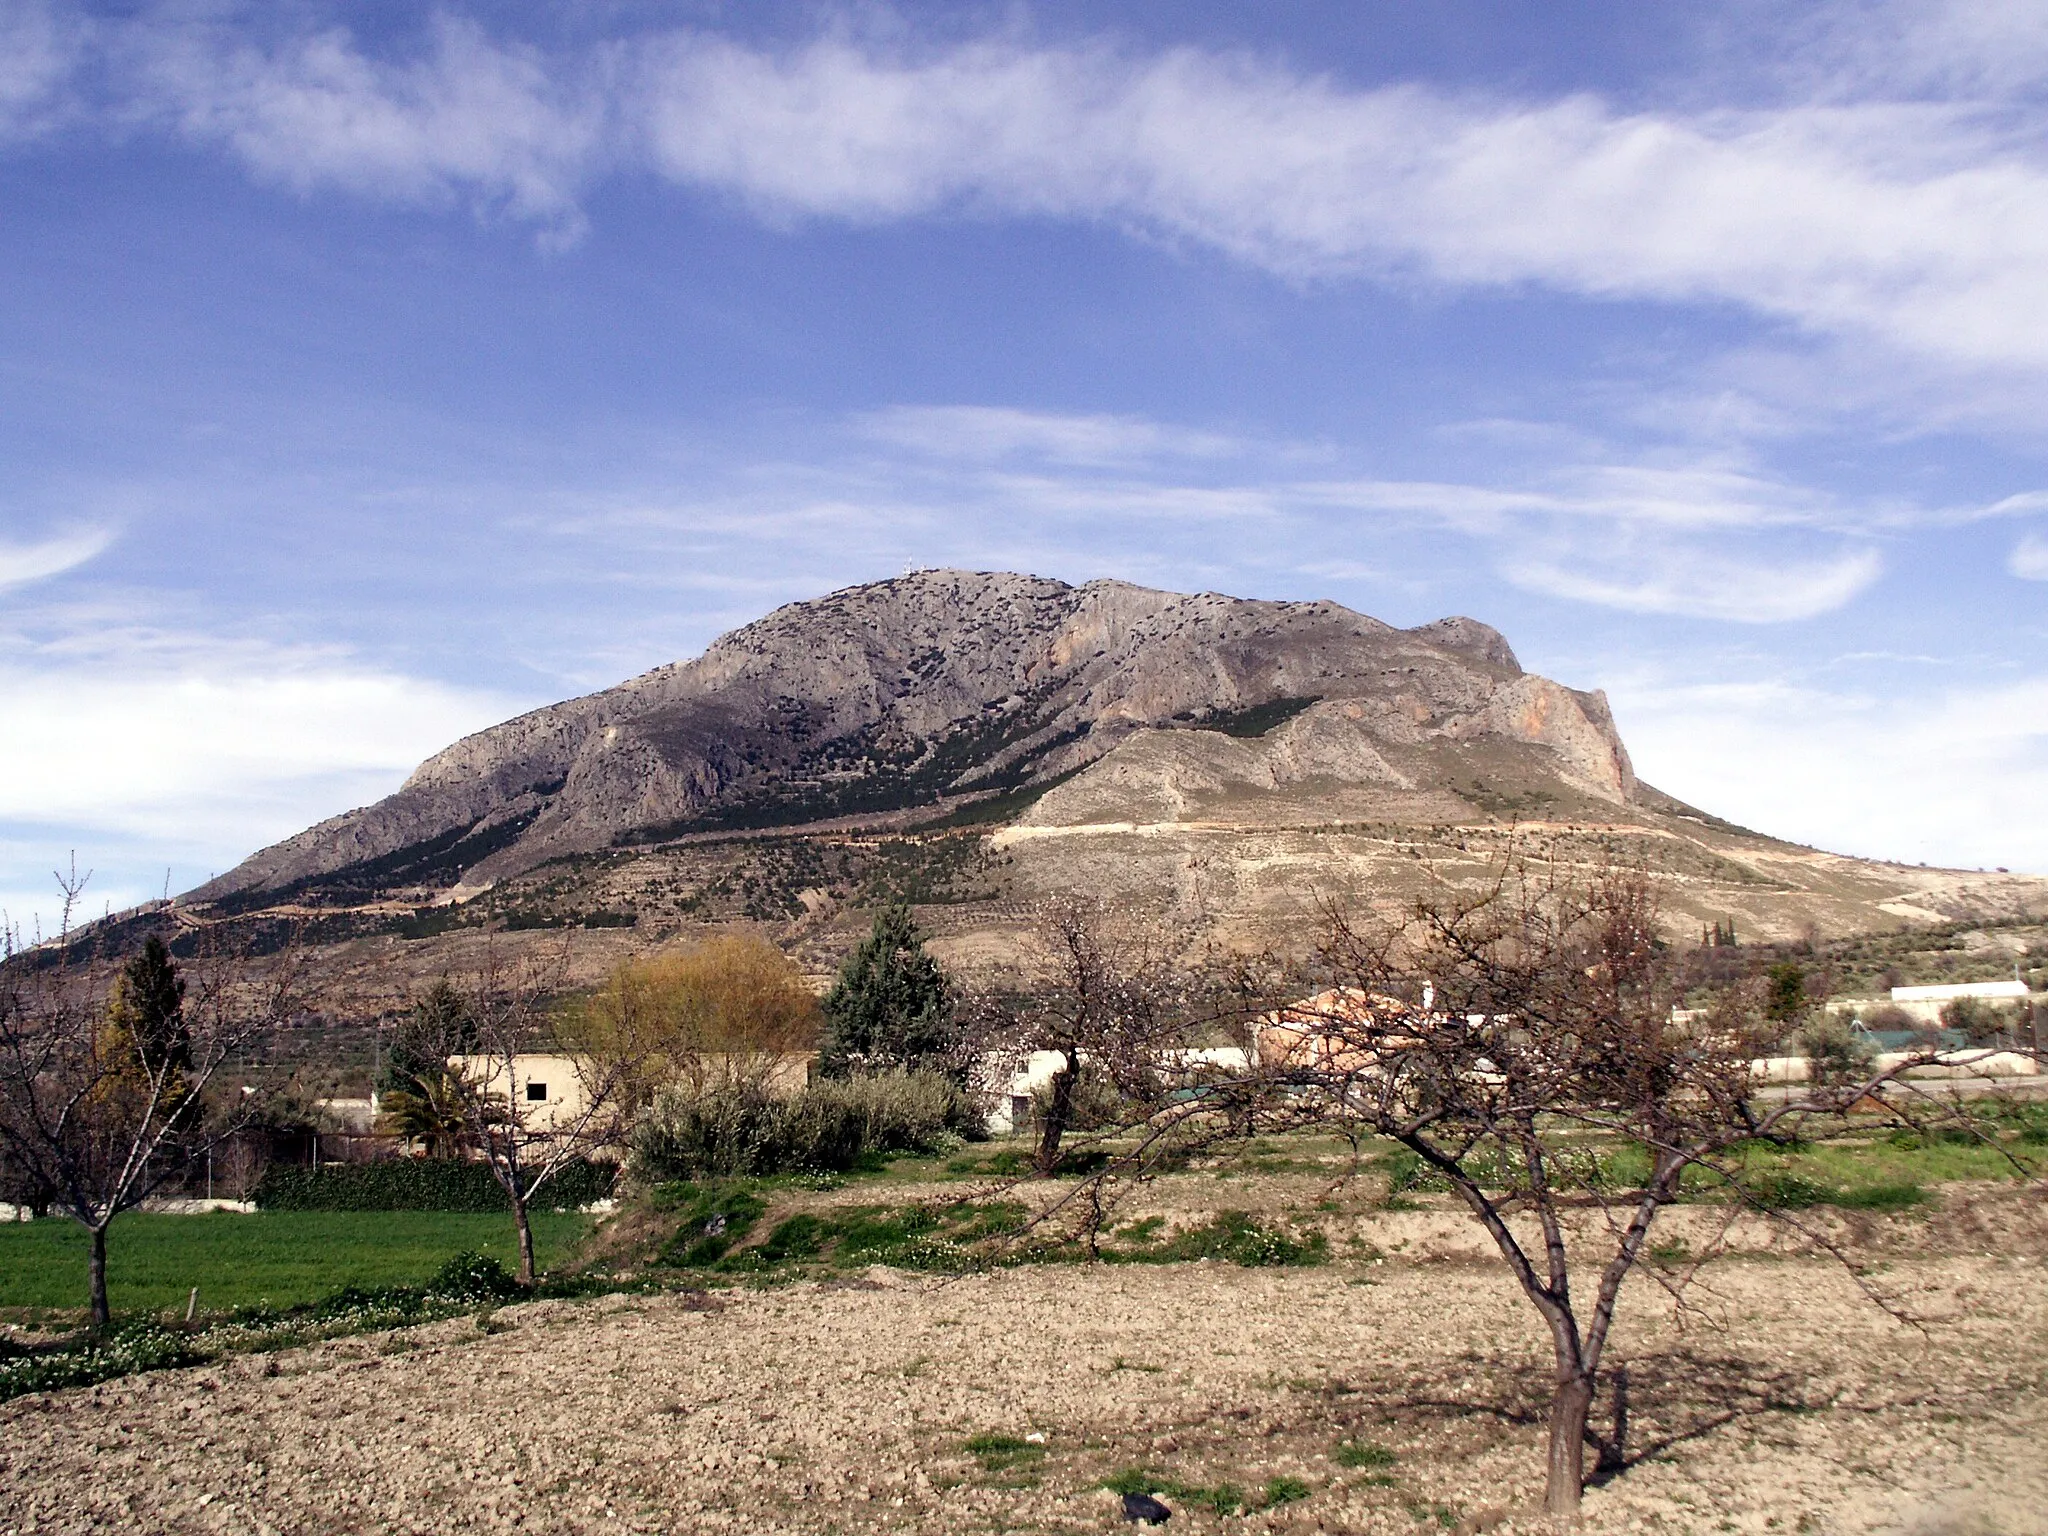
(943, 686)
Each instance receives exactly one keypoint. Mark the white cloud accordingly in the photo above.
(23, 563)
(505, 125)
(195, 754)
(1907, 222)
(1919, 222)
(1700, 583)
(2029, 558)
(40, 46)
(981, 432)
(1946, 778)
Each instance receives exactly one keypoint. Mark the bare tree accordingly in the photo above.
(1523, 1043)
(507, 1015)
(1104, 991)
(104, 1098)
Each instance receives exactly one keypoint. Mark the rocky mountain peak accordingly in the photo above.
(941, 689)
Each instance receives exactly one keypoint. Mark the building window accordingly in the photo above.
(536, 1093)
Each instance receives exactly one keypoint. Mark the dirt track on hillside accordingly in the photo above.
(1795, 1406)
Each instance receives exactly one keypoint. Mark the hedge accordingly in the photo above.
(420, 1184)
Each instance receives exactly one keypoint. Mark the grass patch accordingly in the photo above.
(714, 1220)
(1363, 1454)
(717, 1220)
(1218, 1498)
(1881, 1197)
(1232, 1236)
(1002, 1453)
(274, 1258)
(465, 1282)
(1776, 1191)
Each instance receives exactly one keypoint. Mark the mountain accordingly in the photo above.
(937, 689)
(974, 741)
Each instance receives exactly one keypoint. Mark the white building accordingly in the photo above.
(1949, 992)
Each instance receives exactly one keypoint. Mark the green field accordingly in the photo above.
(280, 1258)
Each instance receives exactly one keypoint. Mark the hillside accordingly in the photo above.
(976, 741)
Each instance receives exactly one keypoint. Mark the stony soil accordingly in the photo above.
(1784, 1401)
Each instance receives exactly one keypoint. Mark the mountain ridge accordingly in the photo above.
(975, 743)
(924, 690)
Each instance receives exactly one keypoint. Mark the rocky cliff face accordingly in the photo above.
(945, 689)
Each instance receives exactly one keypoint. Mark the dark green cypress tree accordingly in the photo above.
(149, 1003)
(891, 1006)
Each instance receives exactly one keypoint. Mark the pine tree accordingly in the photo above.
(417, 1057)
(1785, 999)
(891, 1006)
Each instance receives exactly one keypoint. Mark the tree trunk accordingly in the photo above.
(96, 1279)
(1569, 1410)
(519, 1215)
(1056, 1116)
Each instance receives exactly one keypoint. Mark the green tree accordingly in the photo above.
(1785, 997)
(148, 1006)
(417, 1058)
(891, 1006)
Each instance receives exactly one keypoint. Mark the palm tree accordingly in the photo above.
(435, 1111)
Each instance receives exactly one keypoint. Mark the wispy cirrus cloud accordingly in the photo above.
(1907, 213)
(42, 46)
(2029, 558)
(24, 563)
(978, 485)
(993, 433)
(1699, 583)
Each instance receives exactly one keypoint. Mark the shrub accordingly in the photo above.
(739, 1131)
(734, 1131)
(915, 1112)
(421, 1184)
(472, 1277)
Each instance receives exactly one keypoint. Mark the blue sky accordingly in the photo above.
(368, 374)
